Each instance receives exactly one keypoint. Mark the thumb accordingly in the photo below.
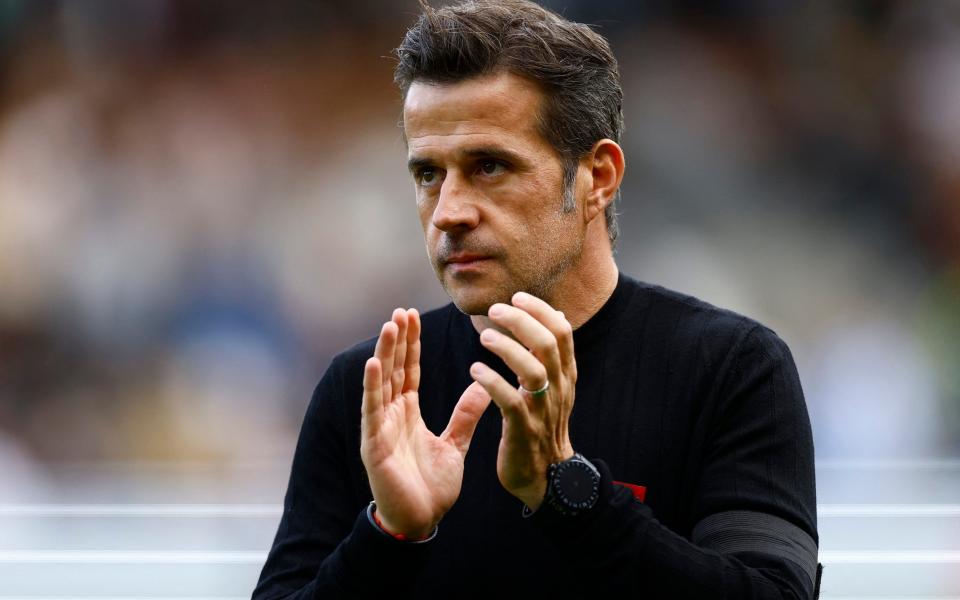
(463, 422)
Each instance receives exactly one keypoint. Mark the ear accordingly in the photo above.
(606, 165)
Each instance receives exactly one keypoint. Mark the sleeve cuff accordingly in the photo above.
(367, 544)
(373, 523)
(398, 564)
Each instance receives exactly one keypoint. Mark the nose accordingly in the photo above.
(456, 208)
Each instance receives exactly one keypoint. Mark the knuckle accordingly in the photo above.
(540, 373)
(545, 345)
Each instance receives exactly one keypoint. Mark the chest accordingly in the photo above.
(640, 420)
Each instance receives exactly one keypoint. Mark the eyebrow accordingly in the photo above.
(497, 152)
(494, 152)
(415, 164)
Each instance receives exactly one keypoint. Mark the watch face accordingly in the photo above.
(576, 485)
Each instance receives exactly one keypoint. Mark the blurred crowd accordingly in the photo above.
(202, 202)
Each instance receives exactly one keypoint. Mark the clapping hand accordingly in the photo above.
(537, 414)
(415, 476)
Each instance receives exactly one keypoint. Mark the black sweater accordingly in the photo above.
(701, 406)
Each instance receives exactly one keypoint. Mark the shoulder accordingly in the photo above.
(688, 314)
(684, 323)
(740, 361)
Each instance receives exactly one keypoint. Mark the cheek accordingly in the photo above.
(540, 204)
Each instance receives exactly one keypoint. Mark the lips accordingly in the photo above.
(463, 264)
(465, 258)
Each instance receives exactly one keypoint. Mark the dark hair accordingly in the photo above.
(571, 63)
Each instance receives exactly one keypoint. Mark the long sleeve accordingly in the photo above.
(325, 543)
(755, 536)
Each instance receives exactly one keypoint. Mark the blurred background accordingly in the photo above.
(202, 202)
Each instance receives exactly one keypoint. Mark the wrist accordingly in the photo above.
(534, 497)
(403, 534)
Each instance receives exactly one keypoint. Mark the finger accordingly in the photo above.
(411, 366)
(552, 319)
(372, 407)
(530, 372)
(466, 414)
(504, 395)
(384, 354)
(400, 354)
(529, 332)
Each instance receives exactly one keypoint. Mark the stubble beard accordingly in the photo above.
(540, 282)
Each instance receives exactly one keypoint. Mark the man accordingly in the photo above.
(512, 117)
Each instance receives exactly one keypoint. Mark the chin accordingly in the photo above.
(474, 300)
(472, 304)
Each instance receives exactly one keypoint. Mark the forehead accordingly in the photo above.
(499, 108)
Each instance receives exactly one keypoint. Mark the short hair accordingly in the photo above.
(573, 66)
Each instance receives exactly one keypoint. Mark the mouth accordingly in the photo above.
(466, 262)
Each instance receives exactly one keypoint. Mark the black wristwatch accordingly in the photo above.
(573, 485)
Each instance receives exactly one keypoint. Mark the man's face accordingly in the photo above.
(489, 190)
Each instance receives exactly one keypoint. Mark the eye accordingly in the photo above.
(427, 176)
(491, 167)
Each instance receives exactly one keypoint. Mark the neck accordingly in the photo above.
(580, 293)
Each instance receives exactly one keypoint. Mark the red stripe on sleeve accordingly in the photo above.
(639, 491)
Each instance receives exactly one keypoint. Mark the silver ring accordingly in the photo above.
(537, 393)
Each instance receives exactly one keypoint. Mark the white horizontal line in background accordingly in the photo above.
(140, 510)
(275, 510)
(247, 598)
(100, 557)
(132, 557)
(178, 466)
(889, 465)
(888, 510)
(888, 557)
(187, 598)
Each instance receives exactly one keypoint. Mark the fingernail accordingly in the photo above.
(520, 297)
(496, 310)
(476, 369)
(488, 335)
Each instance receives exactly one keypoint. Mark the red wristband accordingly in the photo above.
(396, 536)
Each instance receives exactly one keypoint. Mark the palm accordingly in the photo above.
(415, 476)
